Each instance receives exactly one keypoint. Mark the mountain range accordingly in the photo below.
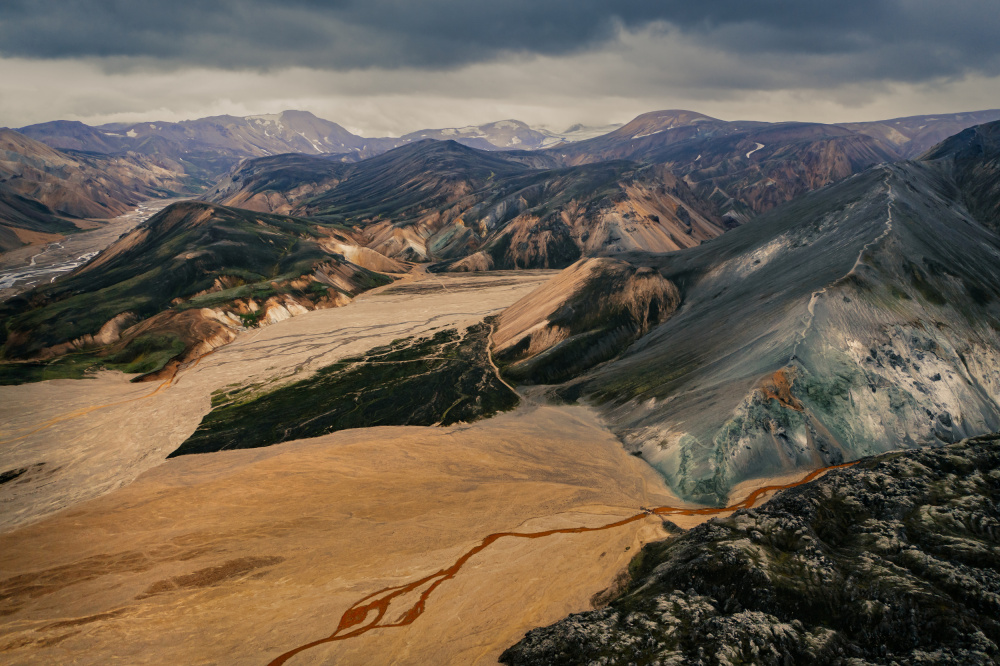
(867, 308)
(737, 169)
(666, 181)
(442, 201)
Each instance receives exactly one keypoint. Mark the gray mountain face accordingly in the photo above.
(893, 561)
(860, 318)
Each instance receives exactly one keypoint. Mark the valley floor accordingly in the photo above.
(111, 553)
(32, 265)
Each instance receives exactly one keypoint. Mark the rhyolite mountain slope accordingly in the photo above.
(276, 184)
(744, 167)
(913, 135)
(892, 561)
(24, 221)
(498, 135)
(43, 189)
(580, 318)
(179, 285)
(473, 210)
(859, 318)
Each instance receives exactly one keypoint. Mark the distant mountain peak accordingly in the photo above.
(660, 121)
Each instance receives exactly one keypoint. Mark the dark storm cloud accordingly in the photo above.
(909, 40)
(334, 34)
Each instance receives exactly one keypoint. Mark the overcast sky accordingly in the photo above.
(386, 67)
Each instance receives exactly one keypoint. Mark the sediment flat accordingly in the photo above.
(113, 553)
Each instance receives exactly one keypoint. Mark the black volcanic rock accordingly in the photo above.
(894, 560)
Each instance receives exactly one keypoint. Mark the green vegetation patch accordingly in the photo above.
(178, 257)
(441, 379)
(146, 353)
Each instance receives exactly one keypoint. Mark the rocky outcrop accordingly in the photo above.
(893, 560)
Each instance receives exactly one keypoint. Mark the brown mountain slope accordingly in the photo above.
(441, 201)
(913, 135)
(744, 167)
(39, 184)
(277, 184)
(24, 221)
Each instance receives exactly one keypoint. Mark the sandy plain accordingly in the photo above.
(113, 555)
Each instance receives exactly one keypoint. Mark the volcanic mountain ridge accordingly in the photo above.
(859, 318)
(180, 285)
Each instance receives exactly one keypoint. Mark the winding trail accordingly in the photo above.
(489, 357)
(352, 622)
(814, 298)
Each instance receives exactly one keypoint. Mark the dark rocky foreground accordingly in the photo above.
(893, 561)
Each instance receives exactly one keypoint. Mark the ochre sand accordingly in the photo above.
(96, 435)
(242, 556)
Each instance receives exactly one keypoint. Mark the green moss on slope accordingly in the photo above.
(442, 379)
